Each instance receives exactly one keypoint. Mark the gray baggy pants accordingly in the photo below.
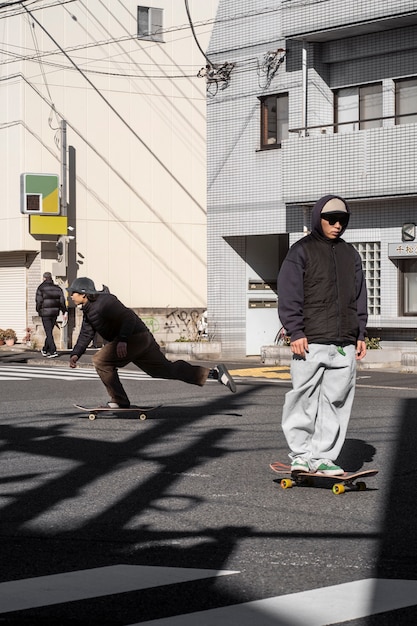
(316, 411)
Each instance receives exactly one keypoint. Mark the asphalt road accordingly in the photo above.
(120, 521)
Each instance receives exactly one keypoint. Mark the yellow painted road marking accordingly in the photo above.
(275, 371)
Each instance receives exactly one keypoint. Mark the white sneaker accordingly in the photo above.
(326, 467)
(299, 465)
(115, 405)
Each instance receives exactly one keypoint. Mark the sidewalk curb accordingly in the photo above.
(19, 354)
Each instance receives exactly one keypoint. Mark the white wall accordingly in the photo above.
(141, 167)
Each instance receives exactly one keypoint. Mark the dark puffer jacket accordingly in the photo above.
(321, 288)
(50, 299)
(110, 318)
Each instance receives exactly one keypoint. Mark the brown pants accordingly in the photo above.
(145, 353)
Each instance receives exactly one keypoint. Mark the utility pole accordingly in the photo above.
(66, 268)
(64, 187)
(64, 167)
(72, 244)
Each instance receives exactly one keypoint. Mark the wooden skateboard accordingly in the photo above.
(140, 412)
(348, 481)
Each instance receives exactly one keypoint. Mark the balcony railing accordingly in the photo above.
(322, 128)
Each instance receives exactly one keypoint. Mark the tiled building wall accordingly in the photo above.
(374, 164)
(258, 192)
(244, 184)
(300, 16)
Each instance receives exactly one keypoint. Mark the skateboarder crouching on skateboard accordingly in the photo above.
(130, 341)
(322, 304)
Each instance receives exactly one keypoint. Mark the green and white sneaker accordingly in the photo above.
(326, 467)
(299, 465)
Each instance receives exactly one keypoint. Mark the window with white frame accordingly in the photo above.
(358, 108)
(370, 253)
(150, 23)
(274, 120)
(406, 101)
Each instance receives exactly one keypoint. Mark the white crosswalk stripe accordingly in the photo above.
(27, 372)
(17, 595)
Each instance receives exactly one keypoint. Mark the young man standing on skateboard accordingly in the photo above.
(129, 341)
(322, 303)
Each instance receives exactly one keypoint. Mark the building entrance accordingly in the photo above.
(264, 255)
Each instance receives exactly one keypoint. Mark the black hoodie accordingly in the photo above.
(321, 287)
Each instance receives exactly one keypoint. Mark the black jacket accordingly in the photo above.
(50, 299)
(110, 318)
(321, 288)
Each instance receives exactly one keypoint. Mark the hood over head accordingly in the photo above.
(328, 204)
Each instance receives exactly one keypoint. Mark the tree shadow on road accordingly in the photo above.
(397, 558)
(110, 531)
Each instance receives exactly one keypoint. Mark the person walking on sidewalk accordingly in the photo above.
(322, 303)
(129, 341)
(50, 300)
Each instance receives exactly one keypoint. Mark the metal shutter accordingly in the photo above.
(13, 292)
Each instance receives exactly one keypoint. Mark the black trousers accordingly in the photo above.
(48, 324)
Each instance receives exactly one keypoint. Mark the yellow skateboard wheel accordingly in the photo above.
(361, 486)
(338, 488)
(286, 483)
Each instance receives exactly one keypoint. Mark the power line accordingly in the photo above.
(20, 10)
(35, 41)
(211, 21)
(241, 68)
(216, 75)
(193, 32)
(118, 115)
(144, 51)
(244, 66)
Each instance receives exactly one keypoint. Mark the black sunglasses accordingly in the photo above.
(342, 218)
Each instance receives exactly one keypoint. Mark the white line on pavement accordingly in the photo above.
(19, 595)
(16, 372)
(316, 607)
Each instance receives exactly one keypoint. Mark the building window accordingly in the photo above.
(406, 101)
(408, 286)
(150, 24)
(358, 108)
(370, 254)
(274, 120)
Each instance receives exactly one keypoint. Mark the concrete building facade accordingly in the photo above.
(307, 98)
(117, 82)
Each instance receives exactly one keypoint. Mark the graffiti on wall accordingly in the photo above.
(152, 323)
(178, 323)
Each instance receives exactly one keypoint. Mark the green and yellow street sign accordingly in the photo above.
(39, 194)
